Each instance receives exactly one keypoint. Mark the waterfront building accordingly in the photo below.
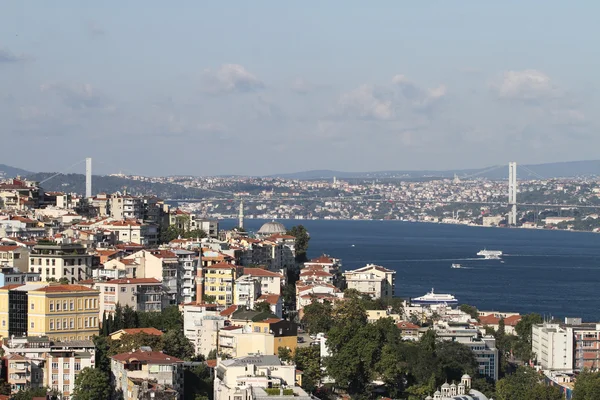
(374, 280)
(492, 319)
(56, 261)
(142, 372)
(257, 377)
(552, 345)
(61, 312)
(326, 263)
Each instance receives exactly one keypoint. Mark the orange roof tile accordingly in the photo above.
(64, 288)
(228, 311)
(261, 272)
(135, 331)
(148, 357)
(269, 298)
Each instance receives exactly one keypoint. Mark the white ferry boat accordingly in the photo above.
(435, 298)
(490, 254)
(456, 266)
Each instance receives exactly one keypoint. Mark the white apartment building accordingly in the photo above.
(132, 231)
(374, 280)
(270, 282)
(165, 266)
(125, 207)
(70, 261)
(201, 324)
(553, 346)
(246, 378)
(189, 266)
(247, 290)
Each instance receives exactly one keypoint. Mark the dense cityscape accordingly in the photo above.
(124, 296)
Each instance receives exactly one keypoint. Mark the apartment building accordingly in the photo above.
(270, 282)
(201, 324)
(141, 294)
(14, 256)
(325, 263)
(586, 339)
(240, 341)
(61, 312)
(255, 377)
(133, 231)
(552, 345)
(138, 373)
(56, 261)
(64, 362)
(125, 207)
(374, 280)
(165, 266)
(218, 280)
(188, 262)
(247, 290)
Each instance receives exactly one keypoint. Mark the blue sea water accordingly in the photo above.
(553, 273)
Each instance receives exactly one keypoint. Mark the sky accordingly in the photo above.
(256, 88)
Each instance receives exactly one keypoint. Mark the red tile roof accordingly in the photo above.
(261, 272)
(269, 298)
(228, 311)
(211, 363)
(9, 287)
(163, 254)
(9, 248)
(272, 320)
(221, 265)
(64, 288)
(148, 357)
(232, 327)
(406, 325)
(133, 281)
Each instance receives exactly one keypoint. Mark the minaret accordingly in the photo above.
(88, 177)
(241, 215)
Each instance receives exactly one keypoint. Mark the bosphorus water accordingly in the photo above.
(554, 273)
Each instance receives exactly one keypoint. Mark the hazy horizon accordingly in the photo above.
(267, 88)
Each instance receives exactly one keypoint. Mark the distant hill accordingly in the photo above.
(532, 171)
(75, 183)
(6, 171)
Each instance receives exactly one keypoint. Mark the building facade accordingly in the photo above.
(374, 280)
(57, 261)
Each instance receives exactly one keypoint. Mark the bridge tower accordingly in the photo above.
(241, 215)
(512, 193)
(88, 177)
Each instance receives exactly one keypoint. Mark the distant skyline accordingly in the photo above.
(205, 88)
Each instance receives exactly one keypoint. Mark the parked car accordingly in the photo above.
(300, 339)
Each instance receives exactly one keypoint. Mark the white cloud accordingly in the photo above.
(366, 102)
(529, 84)
(230, 78)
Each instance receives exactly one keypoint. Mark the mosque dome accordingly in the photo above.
(465, 376)
(272, 228)
(446, 385)
(428, 398)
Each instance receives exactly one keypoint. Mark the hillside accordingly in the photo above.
(110, 184)
(6, 171)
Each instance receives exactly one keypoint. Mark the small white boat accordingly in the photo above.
(456, 266)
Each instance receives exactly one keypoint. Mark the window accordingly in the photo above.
(32, 306)
(55, 376)
(55, 366)
(58, 324)
(123, 290)
(66, 377)
(32, 325)
(77, 366)
(72, 323)
(86, 304)
(65, 306)
(58, 306)
(65, 326)
(53, 271)
(51, 324)
(52, 306)
(72, 305)
(65, 388)
(86, 322)
(66, 365)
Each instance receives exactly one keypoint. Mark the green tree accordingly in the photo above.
(262, 306)
(29, 394)
(176, 344)
(64, 281)
(212, 355)
(301, 244)
(209, 299)
(104, 328)
(91, 384)
(317, 317)
(523, 327)
(168, 318)
(118, 322)
(195, 234)
(455, 359)
(472, 311)
(284, 354)
(587, 386)
(128, 343)
(130, 318)
(526, 384)
(4, 387)
(308, 360)
(102, 361)
(197, 383)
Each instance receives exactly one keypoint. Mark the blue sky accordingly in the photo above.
(203, 88)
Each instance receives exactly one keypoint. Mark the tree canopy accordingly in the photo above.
(526, 384)
(301, 244)
(587, 386)
(91, 384)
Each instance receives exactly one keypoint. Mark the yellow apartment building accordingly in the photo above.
(61, 312)
(219, 281)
